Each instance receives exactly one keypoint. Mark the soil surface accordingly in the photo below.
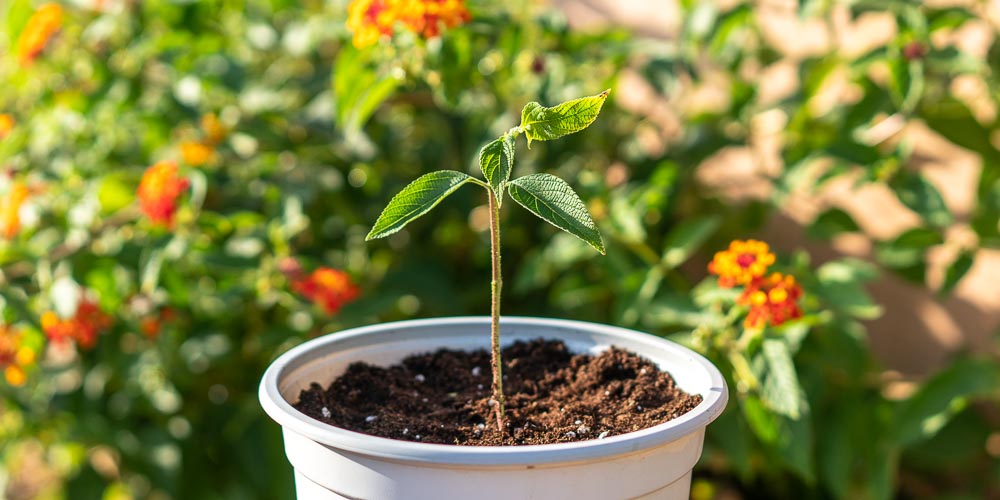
(553, 396)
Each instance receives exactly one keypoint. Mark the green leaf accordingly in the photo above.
(358, 87)
(687, 237)
(906, 253)
(544, 124)
(17, 16)
(415, 200)
(831, 223)
(922, 197)
(947, 393)
(550, 198)
(781, 391)
(497, 160)
(956, 271)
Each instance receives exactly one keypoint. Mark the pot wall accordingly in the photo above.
(335, 463)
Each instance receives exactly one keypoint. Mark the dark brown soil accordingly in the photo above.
(553, 396)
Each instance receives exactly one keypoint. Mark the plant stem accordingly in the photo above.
(496, 286)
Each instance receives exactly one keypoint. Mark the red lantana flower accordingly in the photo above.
(327, 288)
(83, 328)
(774, 300)
(158, 192)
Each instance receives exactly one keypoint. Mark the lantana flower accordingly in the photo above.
(327, 288)
(6, 125)
(14, 356)
(741, 263)
(40, 27)
(772, 298)
(10, 209)
(196, 153)
(159, 190)
(371, 19)
(87, 323)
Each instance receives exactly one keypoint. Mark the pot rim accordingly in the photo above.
(280, 410)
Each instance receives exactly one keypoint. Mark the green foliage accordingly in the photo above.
(415, 200)
(545, 124)
(317, 131)
(555, 202)
(497, 161)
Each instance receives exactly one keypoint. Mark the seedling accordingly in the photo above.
(544, 195)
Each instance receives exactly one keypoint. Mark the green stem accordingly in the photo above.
(496, 286)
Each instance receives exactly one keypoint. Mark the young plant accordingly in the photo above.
(544, 195)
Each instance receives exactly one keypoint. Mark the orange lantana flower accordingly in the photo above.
(14, 357)
(196, 154)
(83, 328)
(742, 263)
(10, 209)
(370, 19)
(6, 125)
(327, 288)
(44, 23)
(774, 300)
(158, 192)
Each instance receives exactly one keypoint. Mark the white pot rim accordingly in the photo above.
(712, 405)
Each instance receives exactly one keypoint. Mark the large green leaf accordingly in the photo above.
(550, 198)
(359, 87)
(781, 391)
(497, 160)
(544, 124)
(956, 271)
(17, 16)
(947, 393)
(415, 200)
(919, 195)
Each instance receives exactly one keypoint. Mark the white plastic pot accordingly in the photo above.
(330, 462)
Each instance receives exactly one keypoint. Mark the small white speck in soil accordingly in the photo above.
(420, 377)
(607, 393)
(406, 430)
(424, 400)
(571, 434)
(583, 429)
(491, 402)
(577, 422)
(419, 437)
(480, 387)
(326, 412)
(638, 407)
(371, 418)
(480, 426)
(602, 435)
(642, 371)
(476, 371)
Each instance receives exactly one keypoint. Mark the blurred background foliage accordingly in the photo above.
(291, 140)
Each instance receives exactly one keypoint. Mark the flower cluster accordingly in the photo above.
(742, 263)
(772, 298)
(201, 152)
(83, 328)
(10, 209)
(14, 357)
(371, 19)
(158, 192)
(44, 23)
(327, 288)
